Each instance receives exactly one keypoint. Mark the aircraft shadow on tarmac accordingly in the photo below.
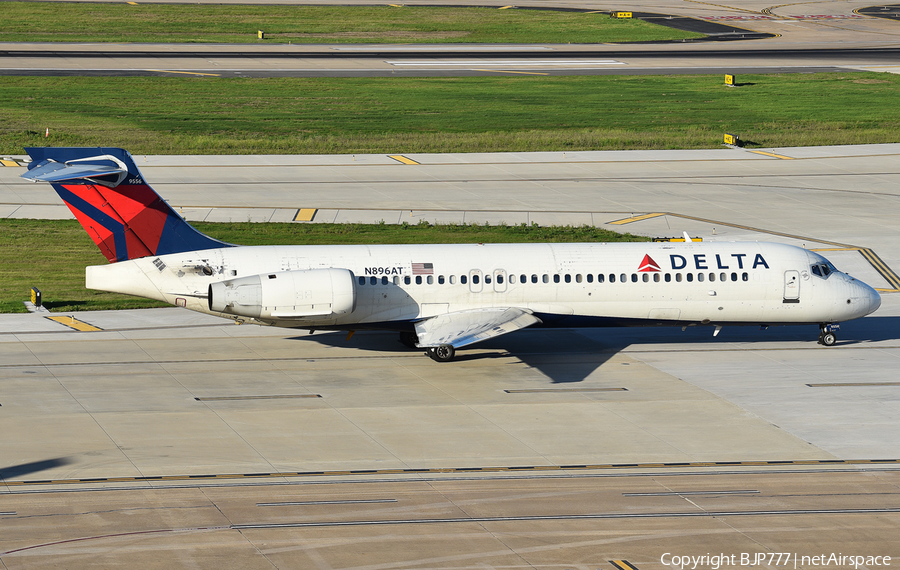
(15, 471)
(571, 355)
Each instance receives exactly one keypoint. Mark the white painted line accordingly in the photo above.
(507, 63)
(444, 49)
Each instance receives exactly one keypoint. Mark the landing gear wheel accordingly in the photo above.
(442, 353)
(409, 339)
(827, 338)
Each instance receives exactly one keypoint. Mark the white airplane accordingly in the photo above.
(438, 297)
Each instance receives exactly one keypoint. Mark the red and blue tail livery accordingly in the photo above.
(106, 192)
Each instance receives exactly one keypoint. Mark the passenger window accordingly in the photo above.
(723, 277)
(745, 277)
(545, 278)
(699, 277)
(373, 280)
(712, 276)
(690, 277)
(430, 279)
(668, 277)
(590, 277)
(578, 278)
(440, 279)
(418, 279)
(734, 276)
(556, 278)
(512, 279)
(656, 277)
(634, 277)
(600, 277)
(475, 280)
(533, 278)
(499, 279)
(396, 279)
(407, 280)
(623, 278)
(362, 280)
(646, 278)
(568, 278)
(612, 277)
(384, 280)
(463, 279)
(523, 278)
(453, 279)
(487, 278)
(678, 277)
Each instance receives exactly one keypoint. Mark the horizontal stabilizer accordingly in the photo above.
(107, 194)
(105, 170)
(466, 327)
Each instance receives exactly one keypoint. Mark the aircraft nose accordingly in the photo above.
(869, 299)
(874, 300)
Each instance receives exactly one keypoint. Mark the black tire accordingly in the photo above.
(828, 339)
(409, 339)
(442, 353)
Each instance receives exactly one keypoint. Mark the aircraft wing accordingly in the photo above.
(462, 328)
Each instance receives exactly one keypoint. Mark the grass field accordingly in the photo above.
(52, 255)
(159, 115)
(204, 23)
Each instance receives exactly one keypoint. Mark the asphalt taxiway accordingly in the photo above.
(753, 37)
(164, 438)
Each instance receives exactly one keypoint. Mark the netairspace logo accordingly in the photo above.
(786, 559)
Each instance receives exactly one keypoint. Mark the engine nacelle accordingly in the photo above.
(286, 294)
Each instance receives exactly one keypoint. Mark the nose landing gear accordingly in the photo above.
(827, 336)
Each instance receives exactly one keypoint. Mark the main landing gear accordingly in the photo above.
(827, 336)
(442, 353)
(409, 339)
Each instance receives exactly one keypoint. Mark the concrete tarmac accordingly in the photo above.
(169, 439)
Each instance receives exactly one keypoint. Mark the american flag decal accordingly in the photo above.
(423, 268)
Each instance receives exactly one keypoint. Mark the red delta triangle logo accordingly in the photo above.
(647, 264)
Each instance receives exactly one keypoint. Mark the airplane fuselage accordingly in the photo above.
(587, 284)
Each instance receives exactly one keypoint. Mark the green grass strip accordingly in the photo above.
(206, 23)
(161, 115)
(52, 254)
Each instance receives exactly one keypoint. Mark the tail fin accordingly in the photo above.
(124, 216)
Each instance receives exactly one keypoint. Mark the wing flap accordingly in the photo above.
(462, 328)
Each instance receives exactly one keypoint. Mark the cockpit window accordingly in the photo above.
(823, 269)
